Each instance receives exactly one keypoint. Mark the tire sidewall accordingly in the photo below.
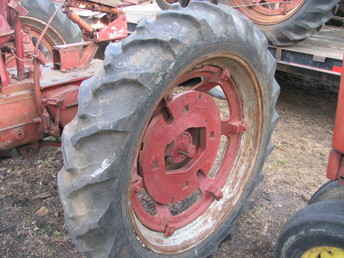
(319, 224)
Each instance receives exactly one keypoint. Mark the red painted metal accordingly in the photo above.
(19, 43)
(3, 10)
(334, 164)
(74, 56)
(19, 120)
(4, 26)
(62, 102)
(20, 114)
(179, 149)
(335, 168)
(338, 136)
(30, 110)
(338, 69)
(116, 30)
(78, 20)
(193, 113)
(4, 76)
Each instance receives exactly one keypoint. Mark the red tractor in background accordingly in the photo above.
(35, 99)
(154, 165)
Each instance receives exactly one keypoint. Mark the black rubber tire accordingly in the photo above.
(163, 5)
(332, 190)
(320, 224)
(114, 106)
(306, 21)
(63, 30)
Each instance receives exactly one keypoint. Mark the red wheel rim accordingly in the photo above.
(188, 137)
(267, 12)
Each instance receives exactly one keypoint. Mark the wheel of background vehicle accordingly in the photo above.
(332, 190)
(166, 4)
(290, 22)
(316, 231)
(61, 31)
(153, 165)
(284, 23)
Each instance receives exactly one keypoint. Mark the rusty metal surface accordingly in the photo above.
(18, 116)
(81, 23)
(4, 76)
(116, 30)
(94, 6)
(112, 26)
(62, 103)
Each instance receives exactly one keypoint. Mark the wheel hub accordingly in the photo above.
(179, 151)
(174, 151)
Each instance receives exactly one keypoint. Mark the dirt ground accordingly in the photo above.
(31, 216)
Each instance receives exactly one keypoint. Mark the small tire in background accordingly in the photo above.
(63, 30)
(293, 23)
(332, 190)
(283, 23)
(315, 231)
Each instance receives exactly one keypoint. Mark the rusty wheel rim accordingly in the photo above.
(194, 169)
(268, 12)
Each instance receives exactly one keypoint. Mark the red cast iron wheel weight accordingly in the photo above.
(179, 149)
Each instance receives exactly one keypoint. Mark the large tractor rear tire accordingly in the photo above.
(283, 23)
(154, 166)
(316, 231)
